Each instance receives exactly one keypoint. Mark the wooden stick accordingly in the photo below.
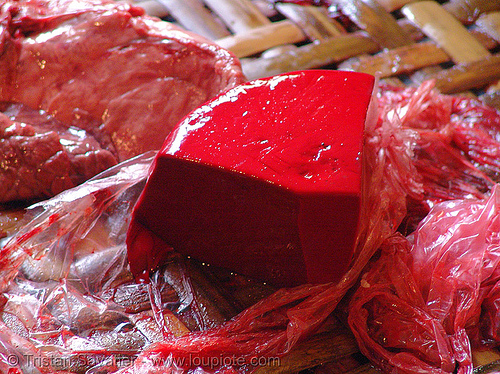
(208, 293)
(413, 32)
(266, 7)
(420, 76)
(492, 95)
(378, 23)
(355, 363)
(147, 325)
(392, 5)
(393, 81)
(446, 31)
(310, 56)
(10, 221)
(261, 38)
(365, 369)
(467, 11)
(490, 24)
(482, 37)
(330, 345)
(312, 20)
(467, 76)
(238, 15)
(406, 59)
(480, 358)
(240, 291)
(192, 15)
(400, 60)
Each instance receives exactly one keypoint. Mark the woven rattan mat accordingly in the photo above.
(455, 42)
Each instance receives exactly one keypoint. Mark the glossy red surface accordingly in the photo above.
(264, 180)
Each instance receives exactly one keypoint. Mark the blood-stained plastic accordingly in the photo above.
(422, 305)
(431, 297)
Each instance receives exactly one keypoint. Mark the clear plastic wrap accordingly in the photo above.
(430, 297)
(62, 273)
(455, 145)
(69, 260)
(69, 303)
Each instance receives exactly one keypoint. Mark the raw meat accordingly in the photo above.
(107, 65)
(40, 157)
(274, 192)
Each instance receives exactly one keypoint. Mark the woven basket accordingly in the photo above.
(404, 42)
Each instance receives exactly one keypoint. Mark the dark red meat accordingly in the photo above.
(274, 325)
(40, 157)
(134, 77)
(262, 183)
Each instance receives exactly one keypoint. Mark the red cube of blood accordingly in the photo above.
(264, 180)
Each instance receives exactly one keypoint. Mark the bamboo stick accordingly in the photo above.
(238, 15)
(419, 76)
(467, 11)
(312, 20)
(400, 60)
(261, 38)
(490, 24)
(310, 56)
(480, 358)
(10, 221)
(406, 59)
(378, 23)
(467, 76)
(446, 31)
(330, 345)
(192, 15)
(392, 5)
(492, 96)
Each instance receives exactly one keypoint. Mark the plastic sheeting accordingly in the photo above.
(69, 299)
(429, 298)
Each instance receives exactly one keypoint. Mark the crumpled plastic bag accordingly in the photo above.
(273, 326)
(57, 271)
(69, 264)
(432, 296)
(455, 149)
(69, 302)
(61, 245)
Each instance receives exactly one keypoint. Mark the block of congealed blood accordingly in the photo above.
(264, 180)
